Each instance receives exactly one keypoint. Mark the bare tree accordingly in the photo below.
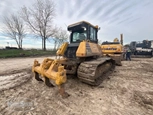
(40, 19)
(60, 37)
(15, 29)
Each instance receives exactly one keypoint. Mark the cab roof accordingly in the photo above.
(82, 23)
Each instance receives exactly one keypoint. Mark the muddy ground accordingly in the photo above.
(128, 91)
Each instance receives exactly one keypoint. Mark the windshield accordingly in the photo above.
(78, 36)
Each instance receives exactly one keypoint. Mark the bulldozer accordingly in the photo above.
(114, 50)
(81, 57)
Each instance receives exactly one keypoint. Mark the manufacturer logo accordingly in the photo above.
(109, 48)
(20, 104)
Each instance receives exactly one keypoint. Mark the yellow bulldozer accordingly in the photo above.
(81, 57)
(114, 50)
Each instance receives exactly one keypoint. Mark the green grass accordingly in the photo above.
(7, 53)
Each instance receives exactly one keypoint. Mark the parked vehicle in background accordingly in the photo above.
(114, 49)
(142, 49)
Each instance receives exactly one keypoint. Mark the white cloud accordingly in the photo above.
(133, 18)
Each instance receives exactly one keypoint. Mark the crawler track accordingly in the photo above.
(93, 72)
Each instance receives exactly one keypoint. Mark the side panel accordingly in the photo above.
(87, 49)
(81, 51)
(95, 49)
(112, 48)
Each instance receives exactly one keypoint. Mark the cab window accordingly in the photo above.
(92, 34)
(78, 36)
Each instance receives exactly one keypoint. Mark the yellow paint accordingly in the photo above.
(62, 49)
(94, 48)
(112, 48)
(81, 51)
(116, 40)
(51, 69)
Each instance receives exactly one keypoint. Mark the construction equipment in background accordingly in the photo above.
(114, 50)
(142, 49)
(82, 57)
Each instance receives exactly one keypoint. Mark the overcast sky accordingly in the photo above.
(133, 18)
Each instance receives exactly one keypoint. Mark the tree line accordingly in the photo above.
(38, 20)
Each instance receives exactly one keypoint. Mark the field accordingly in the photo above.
(128, 91)
(7, 53)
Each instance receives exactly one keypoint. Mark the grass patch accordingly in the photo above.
(7, 53)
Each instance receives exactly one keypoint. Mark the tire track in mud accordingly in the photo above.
(8, 84)
(13, 80)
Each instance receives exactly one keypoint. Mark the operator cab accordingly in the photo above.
(83, 31)
(80, 31)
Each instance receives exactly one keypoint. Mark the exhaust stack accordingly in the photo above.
(121, 39)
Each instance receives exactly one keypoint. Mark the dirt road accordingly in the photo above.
(13, 64)
(128, 91)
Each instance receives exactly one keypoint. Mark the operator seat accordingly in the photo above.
(82, 36)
